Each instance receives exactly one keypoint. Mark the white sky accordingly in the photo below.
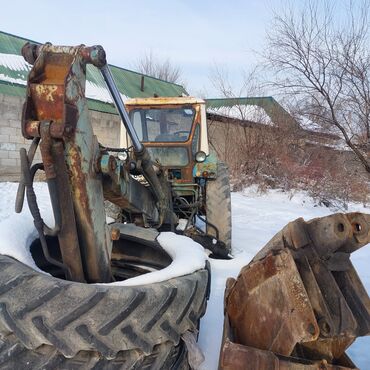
(195, 35)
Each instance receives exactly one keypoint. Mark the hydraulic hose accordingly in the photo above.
(21, 187)
(141, 152)
(28, 175)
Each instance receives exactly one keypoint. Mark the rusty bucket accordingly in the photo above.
(299, 304)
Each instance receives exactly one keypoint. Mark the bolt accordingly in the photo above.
(68, 130)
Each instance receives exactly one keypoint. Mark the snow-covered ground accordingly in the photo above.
(256, 218)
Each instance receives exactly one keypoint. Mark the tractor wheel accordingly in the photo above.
(50, 323)
(218, 205)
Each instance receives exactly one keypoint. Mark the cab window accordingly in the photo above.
(195, 142)
(163, 125)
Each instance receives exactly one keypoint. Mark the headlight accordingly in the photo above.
(123, 156)
(200, 156)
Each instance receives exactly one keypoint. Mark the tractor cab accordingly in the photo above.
(174, 130)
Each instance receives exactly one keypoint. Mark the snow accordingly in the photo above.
(93, 91)
(339, 145)
(187, 257)
(256, 219)
(17, 230)
(17, 233)
(14, 62)
(253, 113)
(182, 224)
(12, 80)
(308, 124)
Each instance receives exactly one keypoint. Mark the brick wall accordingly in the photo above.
(226, 138)
(106, 127)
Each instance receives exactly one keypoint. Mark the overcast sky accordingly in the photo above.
(195, 35)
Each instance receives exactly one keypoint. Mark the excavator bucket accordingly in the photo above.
(299, 304)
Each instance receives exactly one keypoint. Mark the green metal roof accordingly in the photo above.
(11, 89)
(7, 88)
(13, 76)
(272, 108)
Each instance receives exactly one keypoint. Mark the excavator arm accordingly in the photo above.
(80, 174)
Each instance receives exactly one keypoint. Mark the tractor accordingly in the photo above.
(161, 178)
(174, 131)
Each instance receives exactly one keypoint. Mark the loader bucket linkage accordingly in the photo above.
(300, 303)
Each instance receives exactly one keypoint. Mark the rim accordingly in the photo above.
(130, 257)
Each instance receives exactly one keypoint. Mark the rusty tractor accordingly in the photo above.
(298, 305)
(162, 178)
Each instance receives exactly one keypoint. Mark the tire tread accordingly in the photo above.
(139, 318)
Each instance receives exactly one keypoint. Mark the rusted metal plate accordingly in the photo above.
(238, 357)
(269, 307)
(67, 237)
(48, 101)
(207, 169)
(32, 129)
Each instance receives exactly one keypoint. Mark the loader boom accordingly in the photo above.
(56, 113)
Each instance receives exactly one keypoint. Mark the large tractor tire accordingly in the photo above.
(14, 355)
(218, 206)
(50, 323)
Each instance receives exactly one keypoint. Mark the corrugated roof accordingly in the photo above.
(12, 89)
(165, 100)
(273, 109)
(14, 71)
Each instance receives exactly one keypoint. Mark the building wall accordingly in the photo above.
(106, 127)
(240, 143)
(232, 141)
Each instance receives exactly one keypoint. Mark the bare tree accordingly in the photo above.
(250, 86)
(220, 134)
(243, 135)
(151, 65)
(281, 155)
(323, 62)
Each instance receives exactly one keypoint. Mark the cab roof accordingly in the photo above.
(165, 100)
